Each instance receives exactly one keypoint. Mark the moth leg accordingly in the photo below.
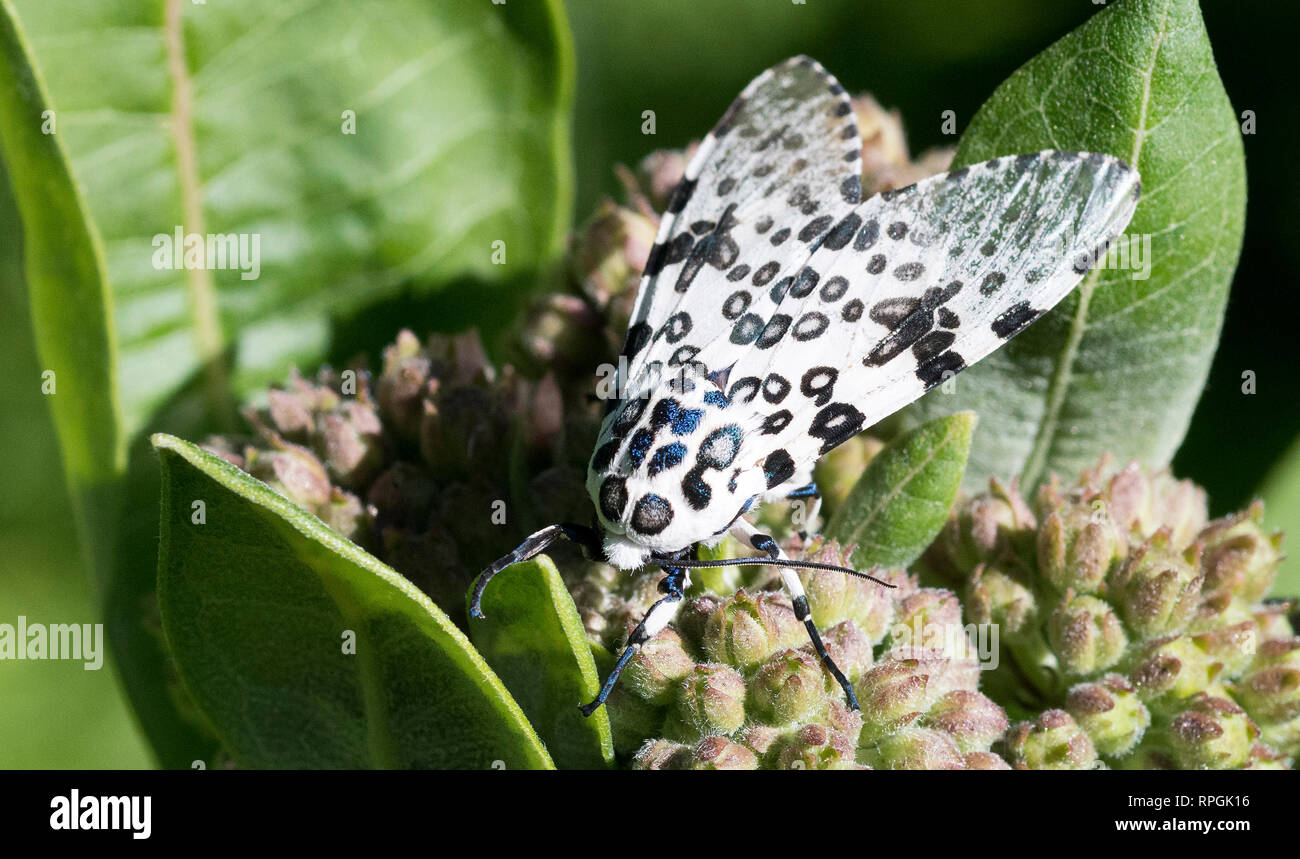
(747, 533)
(655, 619)
(535, 544)
(810, 491)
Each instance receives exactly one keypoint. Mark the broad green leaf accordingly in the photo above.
(1281, 494)
(303, 651)
(237, 118)
(63, 265)
(1119, 365)
(902, 500)
(228, 118)
(532, 636)
(84, 721)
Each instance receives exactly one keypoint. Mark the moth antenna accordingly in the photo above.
(771, 562)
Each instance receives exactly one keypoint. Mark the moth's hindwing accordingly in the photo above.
(917, 284)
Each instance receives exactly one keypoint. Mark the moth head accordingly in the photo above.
(670, 470)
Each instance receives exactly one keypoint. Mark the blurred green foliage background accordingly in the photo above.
(686, 60)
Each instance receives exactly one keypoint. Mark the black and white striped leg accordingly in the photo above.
(747, 533)
(814, 505)
(535, 544)
(659, 615)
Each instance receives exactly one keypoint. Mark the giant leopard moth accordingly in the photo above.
(779, 315)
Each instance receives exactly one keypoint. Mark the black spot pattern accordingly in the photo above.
(815, 228)
(804, 283)
(852, 310)
(746, 329)
(877, 264)
(778, 467)
(746, 389)
(835, 424)
(810, 326)
(834, 289)
(738, 272)
(867, 236)
(992, 282)
(652, 514)
(776, 422)
(909, 271)
(780, 236)
(613, 498)
(1014, 319)
(773, 331)
(736, 304)
(766, 272)
(818, 384)
(897, 230)
(775, 388)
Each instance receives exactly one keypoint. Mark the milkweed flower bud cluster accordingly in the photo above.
(1135, 624)
(735, 684)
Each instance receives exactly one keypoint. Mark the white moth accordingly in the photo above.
(779, 315)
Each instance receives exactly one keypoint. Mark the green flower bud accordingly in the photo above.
(1232, 646)
(1053, 741)
(719, 753)
(929, 621)
(293, 471)
(982, 529)
(744, 631)
(712, 700)
(848, 648)
(347, 515)
(973, 720)
(402, 385)
(656, 672)
(915, 748)
(994, 596)
(789, 687)
(1170, 670)
(291, 414)
(985, 761)
(892, 694)
(663, 755)
(1270, 691)
(1158, 588)
(1111, 712)
(835, 597)
(1212, 733)
(818, 747)
(1239, 556)
(1079, 545)
(1086, 635)
(1143, 503)
(350, 440)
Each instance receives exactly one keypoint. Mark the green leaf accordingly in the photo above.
(259, 602)
(902, 500)
(1119, 365)
(1281, 494)
(227, 118)
(64, 270)
(532, 636)
(235, 118)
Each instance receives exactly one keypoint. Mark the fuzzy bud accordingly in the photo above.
(1078, 543)
(996, 597)
(656, 672)
(915, 748)
(744, 631)
(1239, 556)
(719, 753)
(1053, 741)
(789, 687)
(1086, 635)
(973, 720)
(1111, 712)
(1158, 587)
(1170, 670)
(1212, 733)
(712, 700)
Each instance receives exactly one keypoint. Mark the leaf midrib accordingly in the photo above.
(1059, 384)
(199, 283)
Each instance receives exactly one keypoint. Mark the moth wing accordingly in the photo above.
(915, 285)
(784, 159)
